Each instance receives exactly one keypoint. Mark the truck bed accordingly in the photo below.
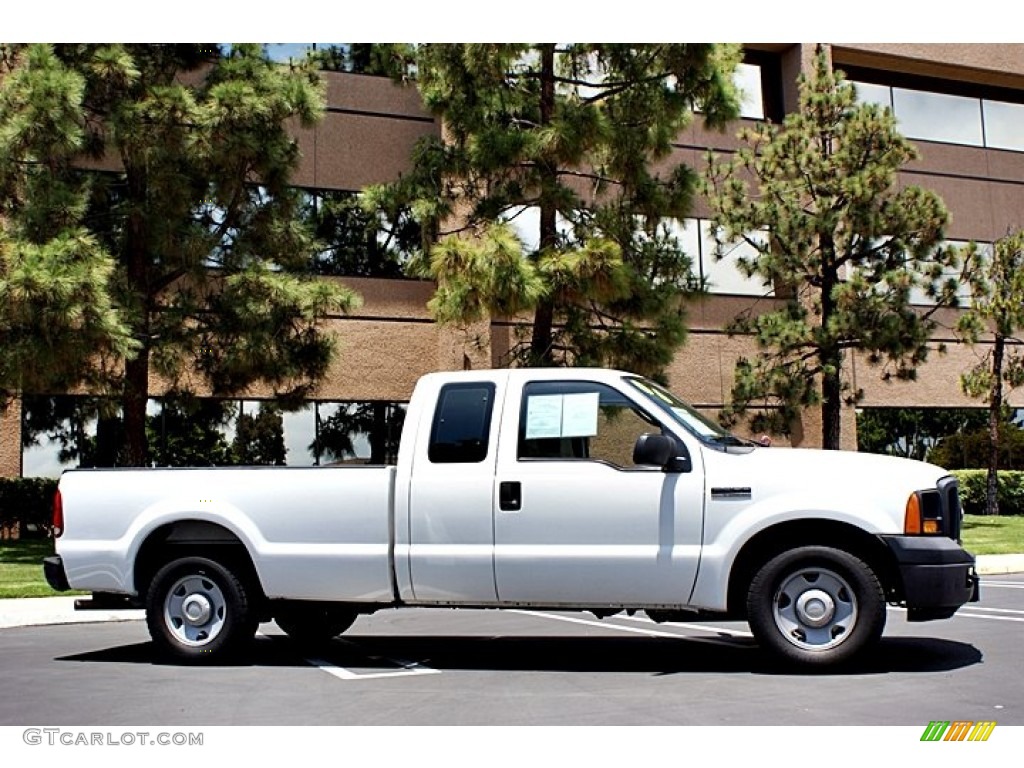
(317, 533)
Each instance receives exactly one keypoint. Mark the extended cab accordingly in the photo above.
(572, 489)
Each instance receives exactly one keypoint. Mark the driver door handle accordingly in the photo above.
(510, 496)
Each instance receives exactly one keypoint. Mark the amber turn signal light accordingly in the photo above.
(912, 518)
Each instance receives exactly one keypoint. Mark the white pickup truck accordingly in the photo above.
(567, 489)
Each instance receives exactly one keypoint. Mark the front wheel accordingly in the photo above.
(816, 606)
(198, 611)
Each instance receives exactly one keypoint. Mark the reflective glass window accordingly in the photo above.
(748, 80)
(938, 116)
(919, 293)
(1004, 125)
(721, 272)
(869, 93)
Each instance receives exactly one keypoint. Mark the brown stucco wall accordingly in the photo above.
(10, 439)
(1000, 64)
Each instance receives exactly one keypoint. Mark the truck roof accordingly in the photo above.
(533, 374)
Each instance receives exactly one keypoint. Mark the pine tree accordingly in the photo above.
(580, 134)
(997, 308)
(817, 202)
(185, 230)
(59, 326)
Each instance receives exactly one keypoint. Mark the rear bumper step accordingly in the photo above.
(106, 601)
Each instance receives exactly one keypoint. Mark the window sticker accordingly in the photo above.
(543, 416)
(549, 416)
(579, 415)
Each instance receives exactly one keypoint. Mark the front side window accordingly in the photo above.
(580, 420)
(462, 424)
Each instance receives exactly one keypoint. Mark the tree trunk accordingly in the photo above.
(831, 406)
(995, 412)
(541, 353)
(136, 371)
(831, 358)
(136, 395)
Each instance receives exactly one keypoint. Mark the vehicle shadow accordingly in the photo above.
(642, 655)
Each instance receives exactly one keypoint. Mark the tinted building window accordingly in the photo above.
(1004, 125)
(748, 79)
(961, 116)
(462, 424)
(869, 93)
(720, 269)
(938, 116)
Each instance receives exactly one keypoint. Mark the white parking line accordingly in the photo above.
(990, 610)
(634, 630)
(1003, 584)
(687, 625)
(982, 615)
(408, 669)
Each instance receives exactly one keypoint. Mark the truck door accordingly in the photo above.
(576, 522)
(451, 537)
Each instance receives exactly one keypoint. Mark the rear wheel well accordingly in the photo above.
(802, 533)
(194, 538)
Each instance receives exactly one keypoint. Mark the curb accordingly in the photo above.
(37, 611)
(998, 565)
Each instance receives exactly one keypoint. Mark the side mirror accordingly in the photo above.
(661, 451)
(653, 449)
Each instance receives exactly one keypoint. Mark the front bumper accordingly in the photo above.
(938, 575)
(56, 576)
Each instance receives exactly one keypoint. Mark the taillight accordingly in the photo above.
(58, 515)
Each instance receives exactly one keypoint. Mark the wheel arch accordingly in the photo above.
(190, 537)
(790, 535)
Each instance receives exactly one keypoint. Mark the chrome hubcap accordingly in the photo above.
(195, 610)
(815, 609)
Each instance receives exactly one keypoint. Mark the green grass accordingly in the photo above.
(21, 562)
(985, 535)
(21, 569)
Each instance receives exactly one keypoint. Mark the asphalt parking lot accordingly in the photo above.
(440, 667)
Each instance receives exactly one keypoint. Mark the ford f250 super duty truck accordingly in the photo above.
(576, 489)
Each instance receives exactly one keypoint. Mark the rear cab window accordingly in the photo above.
(460, 432)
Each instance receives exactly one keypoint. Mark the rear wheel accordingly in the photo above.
(198, 611)
(816, 606)
(314, 624)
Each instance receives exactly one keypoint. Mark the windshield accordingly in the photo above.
(685, 414)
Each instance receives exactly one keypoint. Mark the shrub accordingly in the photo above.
(972, 491)
(26, 505)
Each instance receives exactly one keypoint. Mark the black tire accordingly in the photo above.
(816, 606)
(315, 624)
(198, 611)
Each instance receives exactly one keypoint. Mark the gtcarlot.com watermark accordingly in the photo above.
(65, 737)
